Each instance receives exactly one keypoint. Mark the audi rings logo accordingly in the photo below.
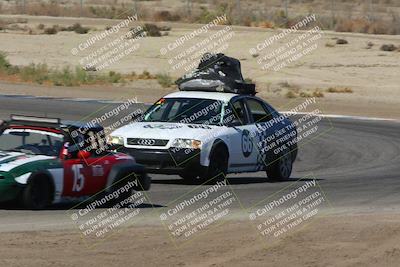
(146, 142)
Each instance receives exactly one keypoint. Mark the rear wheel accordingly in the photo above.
(37, 194)
(118, 190)
(281, 168)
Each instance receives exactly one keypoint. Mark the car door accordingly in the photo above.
(263, 131)
(85, 172)
(241, 145)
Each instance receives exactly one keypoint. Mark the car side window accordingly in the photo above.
(258, 111)
(239, 111)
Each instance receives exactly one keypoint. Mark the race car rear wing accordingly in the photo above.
(24, 118)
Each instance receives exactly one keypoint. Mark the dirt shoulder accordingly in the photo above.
(148, 91)
(337, 240)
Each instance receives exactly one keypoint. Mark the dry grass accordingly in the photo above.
(42, 74)
(329, 44)
(291, 94)
(381, 17)
(339, 90)
(362, 25)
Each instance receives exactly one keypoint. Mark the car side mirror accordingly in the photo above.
(83, 154)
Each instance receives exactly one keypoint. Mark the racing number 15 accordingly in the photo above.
(79, 178)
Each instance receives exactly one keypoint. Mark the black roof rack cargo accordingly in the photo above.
(216, 73)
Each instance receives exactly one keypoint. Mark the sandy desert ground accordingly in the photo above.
(372, 74)
(340, 240)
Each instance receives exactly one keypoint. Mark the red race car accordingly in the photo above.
(46, 160)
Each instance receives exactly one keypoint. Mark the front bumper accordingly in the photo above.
(166, 161)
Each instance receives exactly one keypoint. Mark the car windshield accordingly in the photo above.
(30, 141)
(185, 110)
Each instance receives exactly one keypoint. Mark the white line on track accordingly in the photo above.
(347, 117)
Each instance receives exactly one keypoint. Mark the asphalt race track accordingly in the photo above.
(356, 162)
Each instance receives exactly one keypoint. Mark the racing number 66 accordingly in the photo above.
(79, 178)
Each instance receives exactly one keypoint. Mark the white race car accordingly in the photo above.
(202, 136)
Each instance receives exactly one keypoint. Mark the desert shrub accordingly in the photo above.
(145, 75)
(205, 16)
(51, 30)
(355, 25)
(388, 47)
(64, 77)
(82, 76)
(341, 41)
(4, 63)
(114, 77)
(77, 27)
(339, 90)
(35, 72)
(164, 80)
(151, 30)
(294, 87)
(362, 25)
(266, 24)
(164, 28)
(105, 12)
(291, 94)
(165, 15)
(40, 26)
(317, 93)
(369, 45)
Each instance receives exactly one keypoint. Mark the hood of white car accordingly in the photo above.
(165, 130)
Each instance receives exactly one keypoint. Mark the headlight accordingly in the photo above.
(116, 140)
(186, 143)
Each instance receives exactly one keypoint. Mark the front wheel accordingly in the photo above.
(218, 167)
(189, 176)
(37, 194)
(281, 168)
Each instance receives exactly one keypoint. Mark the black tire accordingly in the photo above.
(189, 176)
(294, 150)
(120, 183)
(37, 193)
(282, 166)
(144, 182)
(218, 167)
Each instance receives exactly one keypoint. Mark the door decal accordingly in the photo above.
(79, 178)
(247, 143)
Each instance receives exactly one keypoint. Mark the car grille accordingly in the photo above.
(146, 142)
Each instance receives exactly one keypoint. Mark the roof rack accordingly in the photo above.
(15, 117)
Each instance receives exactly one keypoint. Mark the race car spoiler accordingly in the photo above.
(24, 118)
